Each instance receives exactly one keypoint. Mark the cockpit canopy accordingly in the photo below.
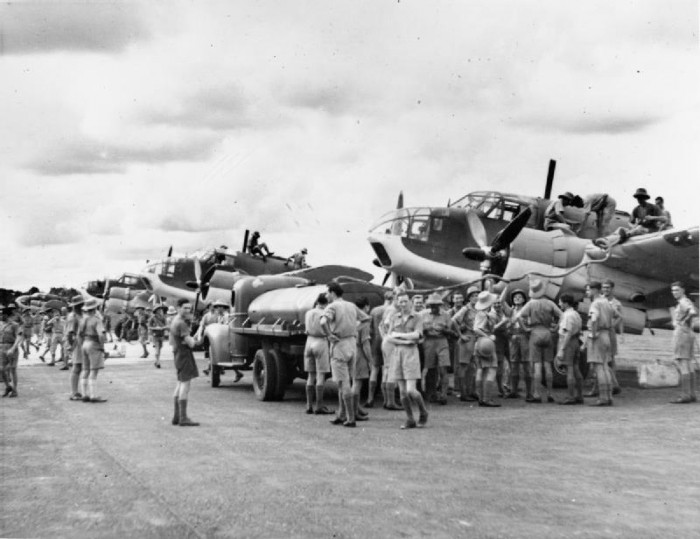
(493, 205)
(410, 223)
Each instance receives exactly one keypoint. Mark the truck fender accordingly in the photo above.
(218, 337)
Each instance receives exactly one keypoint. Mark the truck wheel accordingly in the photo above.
(282, 374)
(264, 376)
(214, 373)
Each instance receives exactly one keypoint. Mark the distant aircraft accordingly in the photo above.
(500, 234)
(208, 275)
(119, 295)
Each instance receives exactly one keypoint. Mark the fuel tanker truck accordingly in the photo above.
(266, 331)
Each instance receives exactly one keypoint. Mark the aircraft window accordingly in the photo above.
(491, 208)
(437, 224)
(169, 268)
(419, 229)
(130, 281)
(510, 211)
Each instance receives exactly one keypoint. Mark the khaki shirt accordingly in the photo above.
(601, 313)
(312, 322)
(342, 318)
(541, 312)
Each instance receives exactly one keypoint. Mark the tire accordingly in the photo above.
(214, 373)
(282, 374)
(264, 376)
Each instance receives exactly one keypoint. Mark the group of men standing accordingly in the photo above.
(483, 338)
(341, 341)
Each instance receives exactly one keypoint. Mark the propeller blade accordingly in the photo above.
(506, 236)
(197, 270)
(474, 253)
(476, 227)
(386, 278)
(399, 202)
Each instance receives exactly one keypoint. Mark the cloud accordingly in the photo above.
(96, 157)
(39, 27)
(217, 107)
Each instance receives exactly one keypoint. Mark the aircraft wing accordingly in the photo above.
(667, 256)
(325, 274)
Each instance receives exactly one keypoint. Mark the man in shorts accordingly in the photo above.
(600, 320)
(466, 374)
(404, 332)
(541, 316)
(363, 357)
(518, 344)
(92, 335)
(377, 315)
(157, 324)
(437, 327)
(142, 324)
(683, 342)
(11, 335)
(185, 366)
(74, 345)
(316, 357)
(339, 323)
(568, 348)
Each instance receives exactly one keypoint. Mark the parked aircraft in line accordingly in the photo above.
(501, 234)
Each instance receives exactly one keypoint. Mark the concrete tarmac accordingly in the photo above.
(253, 469)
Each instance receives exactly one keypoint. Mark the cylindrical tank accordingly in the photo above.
(249, 288)
(245, 291)
(287, 304)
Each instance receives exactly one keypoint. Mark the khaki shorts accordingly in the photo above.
(343, 360)
(405, 363)
(8, 361)
(599, 350)
(436, 353)
(93, 356)
(317, 355)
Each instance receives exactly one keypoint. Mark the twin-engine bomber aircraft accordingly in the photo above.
(502, 235)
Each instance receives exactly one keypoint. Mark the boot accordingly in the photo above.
(184, 420)
(370, 395)
(410, 421)
(349, 410)
(176, 415)
(514, 383)
(391, 397)
(423, 411)
(310, 393)
(360, 414)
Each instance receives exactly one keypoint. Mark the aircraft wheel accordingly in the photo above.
(264, 376)
(214, 373)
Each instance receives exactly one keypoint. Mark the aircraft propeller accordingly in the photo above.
(398, 279)
(487, 253)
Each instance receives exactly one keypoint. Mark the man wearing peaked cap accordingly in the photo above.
(554, 214)
(541, 315)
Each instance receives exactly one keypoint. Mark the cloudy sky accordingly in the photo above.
(127, 127)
